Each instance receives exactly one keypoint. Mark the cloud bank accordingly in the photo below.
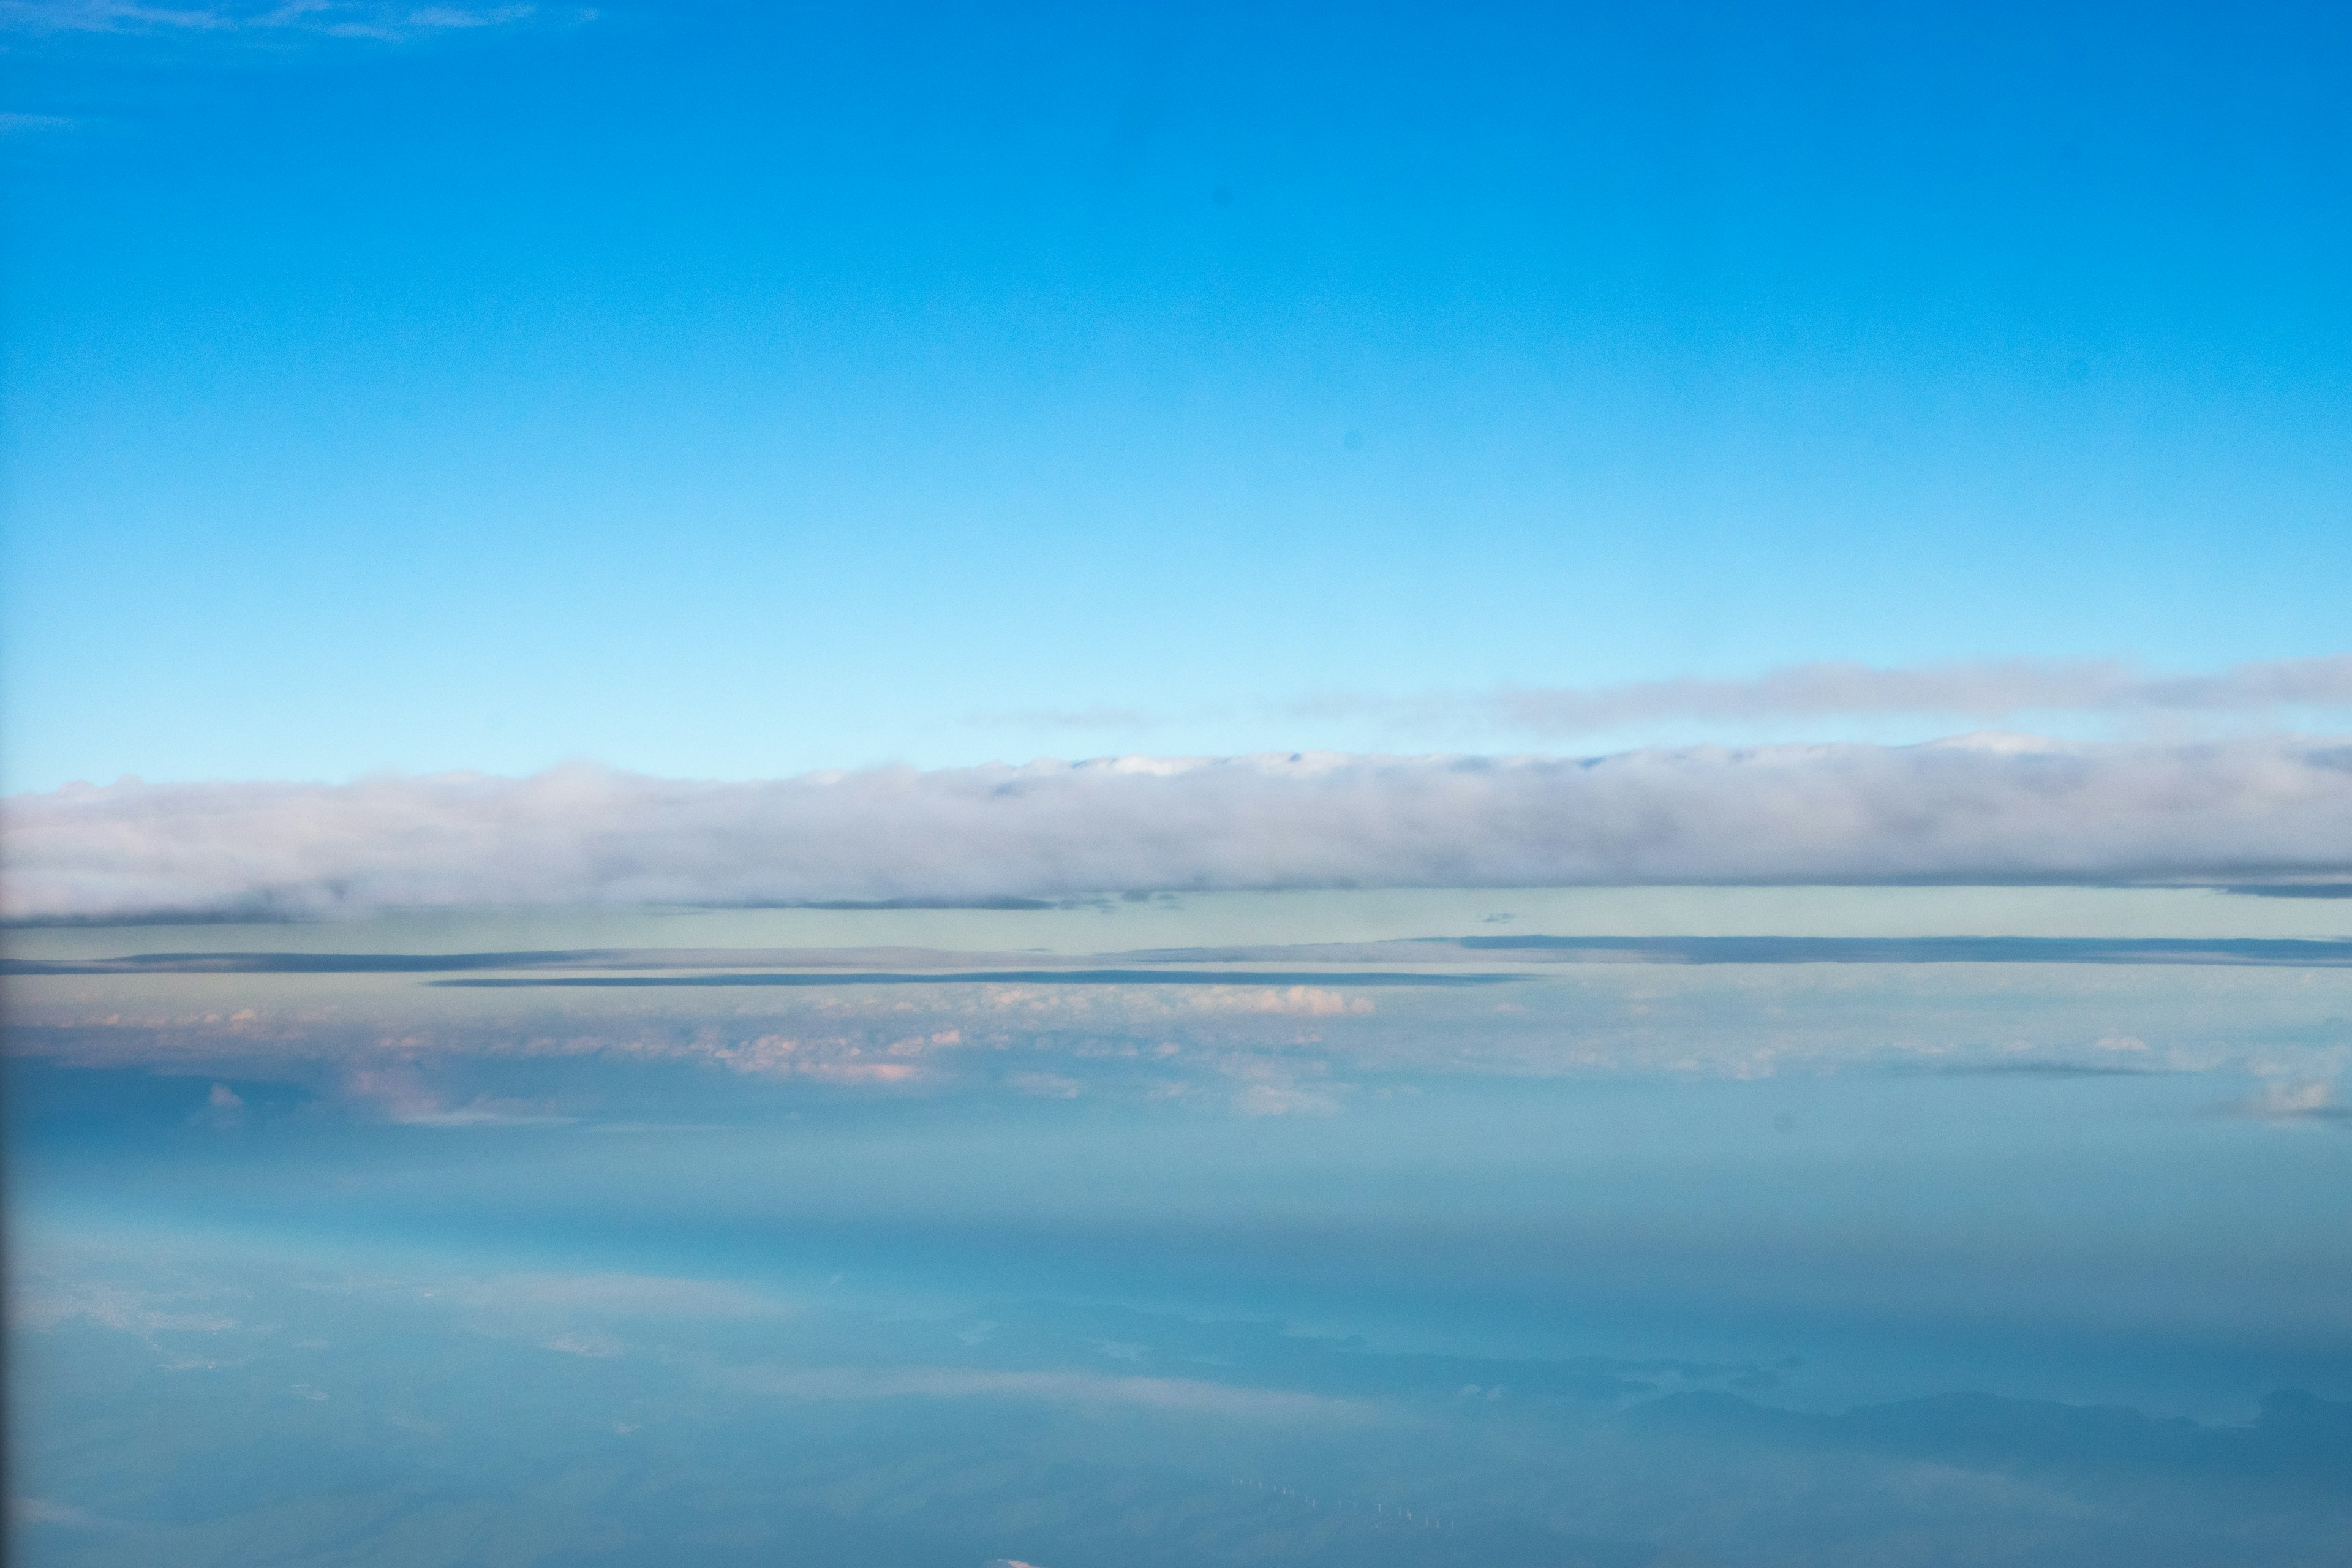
(1983, 808)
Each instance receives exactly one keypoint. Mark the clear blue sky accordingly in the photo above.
(735, 390)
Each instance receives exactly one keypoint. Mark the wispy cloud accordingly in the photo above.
(401, 1097)
(2293, 1101)
(623, 1295)
(1175, 1395)
(112, 1306)
(1984, 691)
(272, 18)
(1984, 809)
(39, 1510)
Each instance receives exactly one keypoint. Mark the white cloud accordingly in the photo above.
(224, 1108)
(1988, 808)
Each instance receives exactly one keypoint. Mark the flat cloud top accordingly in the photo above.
(1986, 808)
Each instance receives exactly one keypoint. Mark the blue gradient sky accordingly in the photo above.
(734, 390)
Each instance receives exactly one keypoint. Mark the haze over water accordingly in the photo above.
(1075, 1235)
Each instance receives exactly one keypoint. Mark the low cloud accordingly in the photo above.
(1280, 1088)
(591, 1346)
(1176, 1395)
(399, 1095)
(1282, 1000)
(1986, 808)
(611, 1295)
(224, 1109)
(111, 1306)
(2292, 1101)
(63, 1516)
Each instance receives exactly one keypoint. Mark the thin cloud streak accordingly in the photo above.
(1185, 1396)
(1982, 809)
(389, 23)
(1987, 691)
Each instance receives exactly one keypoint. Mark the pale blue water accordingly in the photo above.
(1843, 1263)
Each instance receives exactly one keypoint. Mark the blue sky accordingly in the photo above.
(732, 391)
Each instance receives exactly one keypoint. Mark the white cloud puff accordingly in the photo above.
(1982, 808)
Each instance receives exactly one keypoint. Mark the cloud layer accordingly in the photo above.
(1982, 808)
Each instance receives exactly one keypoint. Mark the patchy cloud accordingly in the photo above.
(614, 1295)
(2292, 1101)
(224, 1108)
(399, 1095)
(1284, 1001)
(1983, 808)
(112, 1306)
(1045, 1084)
(592, 1346)
(39, 1510)
(1280, 1088)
